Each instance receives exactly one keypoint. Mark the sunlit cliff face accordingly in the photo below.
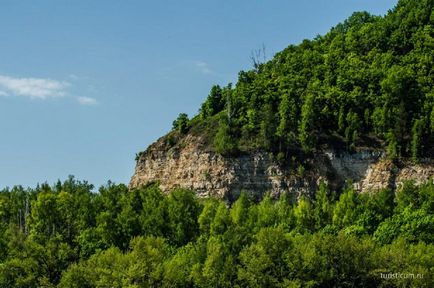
(189, 165)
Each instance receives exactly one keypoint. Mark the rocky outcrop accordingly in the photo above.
(189, 164)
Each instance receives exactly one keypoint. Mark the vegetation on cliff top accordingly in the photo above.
(369, 80)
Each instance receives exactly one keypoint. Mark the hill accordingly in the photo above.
(362, 90)
(67, 235)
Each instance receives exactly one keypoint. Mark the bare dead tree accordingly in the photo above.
(258, 57)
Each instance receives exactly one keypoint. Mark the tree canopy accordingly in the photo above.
(367, 82)
(65, 235)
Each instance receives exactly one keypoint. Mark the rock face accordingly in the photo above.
(189, 165)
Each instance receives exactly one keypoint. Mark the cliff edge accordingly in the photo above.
(189, 164)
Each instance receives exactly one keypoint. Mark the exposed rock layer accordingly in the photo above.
(189, 165)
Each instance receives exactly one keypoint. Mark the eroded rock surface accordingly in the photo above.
(190, 165)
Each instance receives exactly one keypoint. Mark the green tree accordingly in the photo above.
(181, 124)
(346, 209)
(416, 140)
(222, 220)
(224, 141)
(214, 103)
(323, 208)
(207, 216)
(183, 210)
(218, 269)
(304, 215)
(287, 128)
(256, 267)
(308, 122)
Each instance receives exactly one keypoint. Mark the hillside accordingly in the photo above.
(364, 88)
(353, 119)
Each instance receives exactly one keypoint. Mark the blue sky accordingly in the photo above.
(84, 85)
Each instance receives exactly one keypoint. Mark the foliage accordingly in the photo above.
(368, 80)
(182, 123)
(68, 236)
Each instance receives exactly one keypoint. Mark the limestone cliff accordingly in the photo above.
(190, 164)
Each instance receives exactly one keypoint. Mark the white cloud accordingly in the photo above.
(203, 67)
(73, 77)
(86, 101)
(35, 88)
(3, 93)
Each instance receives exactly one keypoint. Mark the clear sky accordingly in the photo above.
(84, 85)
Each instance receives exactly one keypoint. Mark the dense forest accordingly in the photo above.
(68, 236)
(367, 82)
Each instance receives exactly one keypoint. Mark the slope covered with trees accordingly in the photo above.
(368, 82)
(67, 236)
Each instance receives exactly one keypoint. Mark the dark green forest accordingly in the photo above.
(367, 82)
(68, 236)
